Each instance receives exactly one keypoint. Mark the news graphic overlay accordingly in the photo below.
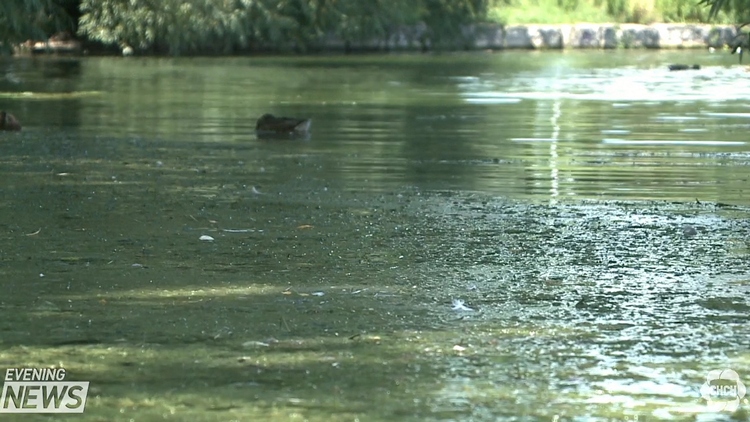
(42, 390)
(723, 390)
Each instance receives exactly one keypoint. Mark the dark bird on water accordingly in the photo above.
(8, 121)
(270, 124)
(674, 67)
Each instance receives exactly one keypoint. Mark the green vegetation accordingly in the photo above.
(206, 26)
(546, 11)
(21, 20)
(177, 26)
(743, 10)
(596, 11)
(740, 7)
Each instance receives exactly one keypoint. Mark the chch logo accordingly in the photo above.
(723, 390)
(42, 390)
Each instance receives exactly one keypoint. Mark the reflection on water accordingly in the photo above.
(713, 84)
(611, 304)
(540, 126)
(511, 182)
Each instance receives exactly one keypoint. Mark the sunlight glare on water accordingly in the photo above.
(655, 116)
(517, 236)
(710, 84)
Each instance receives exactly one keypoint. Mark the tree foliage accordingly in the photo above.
(22, 20)
(190, 26)
(226, 26)
(740, 8)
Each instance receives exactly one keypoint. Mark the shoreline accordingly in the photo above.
(485, 37)
(609, 36)
(565, 36)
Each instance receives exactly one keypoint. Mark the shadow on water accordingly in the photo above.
(332, 282)
(117, 287)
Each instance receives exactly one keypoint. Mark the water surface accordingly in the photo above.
(588, 207)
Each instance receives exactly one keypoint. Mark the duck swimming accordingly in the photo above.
(8, 121)
(676, 67)
(270, 124)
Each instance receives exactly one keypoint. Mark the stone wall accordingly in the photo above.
(581, 35)
(605, 36)
(498, 37)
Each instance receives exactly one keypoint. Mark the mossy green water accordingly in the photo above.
(327, 292)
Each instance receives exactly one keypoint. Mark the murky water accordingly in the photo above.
(512, 236)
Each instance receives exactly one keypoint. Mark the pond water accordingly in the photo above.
(508, 236)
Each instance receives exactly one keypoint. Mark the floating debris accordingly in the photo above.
(254, 344)
(206, 238)
(318, 293)
(458, 305)
(689, 231)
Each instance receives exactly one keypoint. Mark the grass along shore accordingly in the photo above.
(518, 12)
